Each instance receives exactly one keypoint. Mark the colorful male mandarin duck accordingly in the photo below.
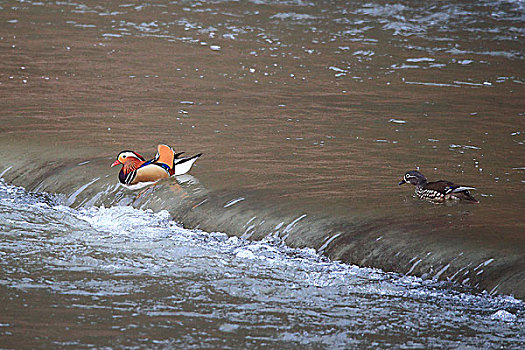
(135, 169)
(437, 191)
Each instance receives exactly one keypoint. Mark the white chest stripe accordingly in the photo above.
(130, 177)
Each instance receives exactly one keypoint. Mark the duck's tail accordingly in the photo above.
(183, 164)
(463, 192)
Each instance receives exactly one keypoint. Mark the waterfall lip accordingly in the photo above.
(368, 239)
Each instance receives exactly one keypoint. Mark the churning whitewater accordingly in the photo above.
(137, 270)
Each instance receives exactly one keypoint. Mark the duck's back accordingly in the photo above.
(434, 190)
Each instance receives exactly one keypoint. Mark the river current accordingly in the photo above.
(122, 277)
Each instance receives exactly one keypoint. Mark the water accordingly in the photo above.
(123, 277)
(308, 114)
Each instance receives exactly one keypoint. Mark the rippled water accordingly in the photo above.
(334, 97)
(122, 277)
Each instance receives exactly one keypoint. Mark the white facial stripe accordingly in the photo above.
(126, 155)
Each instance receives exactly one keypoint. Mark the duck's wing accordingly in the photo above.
(151, 172)
(451, 190)
(441, 186)
(462, 189)
(463, 192)
(165, 155)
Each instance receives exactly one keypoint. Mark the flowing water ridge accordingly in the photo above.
(118, 276)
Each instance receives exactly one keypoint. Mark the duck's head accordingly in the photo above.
(414, 177)
(125, 156)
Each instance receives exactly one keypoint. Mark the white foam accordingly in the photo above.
(245, 254)
(233, 202)
(124, 240)
(503, 315)
(123, 219)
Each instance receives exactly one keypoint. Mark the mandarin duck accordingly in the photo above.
(136, 170)
(437, 191)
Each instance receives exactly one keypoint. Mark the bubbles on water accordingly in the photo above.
(339, 71)
(420, 59)
(397, 121)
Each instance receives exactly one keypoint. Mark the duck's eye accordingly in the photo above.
(124, 156)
